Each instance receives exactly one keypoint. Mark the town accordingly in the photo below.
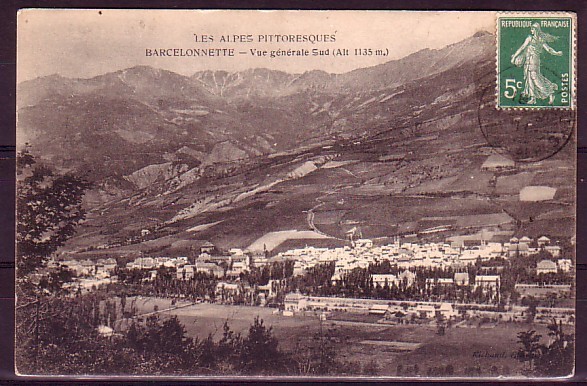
(399, 280)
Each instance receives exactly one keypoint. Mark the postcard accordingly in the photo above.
(296, 194)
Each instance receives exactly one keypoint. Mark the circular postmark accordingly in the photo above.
(526, 134)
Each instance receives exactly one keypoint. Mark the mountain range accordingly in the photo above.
(256, 151)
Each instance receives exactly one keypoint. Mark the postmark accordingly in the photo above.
(527, 135)
(536, 60)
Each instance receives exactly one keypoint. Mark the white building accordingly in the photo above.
(186, 272)
(295, 302)
(546, 266)
(554, 250)
(381, 279)
(487, 281)
(564, 264)
(461, 278)
(543, 240)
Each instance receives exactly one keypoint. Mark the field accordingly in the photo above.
(271, 240)
(388, 345)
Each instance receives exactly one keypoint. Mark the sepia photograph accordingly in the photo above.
(296, 194)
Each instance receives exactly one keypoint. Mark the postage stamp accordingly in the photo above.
(536, 60)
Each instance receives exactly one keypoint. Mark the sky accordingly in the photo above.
(87, 43)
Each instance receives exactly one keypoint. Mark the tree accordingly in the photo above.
(54, 280)
(316, 355)
(49, 207)
(228, 350)
(441, 325)
(558, 357)
(531, 348)
(532, 303)
(260, 354)
(371, 368)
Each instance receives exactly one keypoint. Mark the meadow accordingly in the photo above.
(489, 347)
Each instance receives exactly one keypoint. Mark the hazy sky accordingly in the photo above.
(86, 43)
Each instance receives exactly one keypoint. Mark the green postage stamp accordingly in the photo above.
(536, 60)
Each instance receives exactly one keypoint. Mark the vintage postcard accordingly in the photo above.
(218, 193)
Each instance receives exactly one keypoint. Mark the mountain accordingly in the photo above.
(424, 63)
(152, 113)
(228, 157)
(258, 82)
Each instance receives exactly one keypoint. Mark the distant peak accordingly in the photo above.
(52, 76)
(482, 33)
(142, 68)
(318, 72)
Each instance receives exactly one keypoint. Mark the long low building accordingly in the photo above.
(297, 302)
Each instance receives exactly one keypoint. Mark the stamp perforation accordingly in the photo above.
(572, 57)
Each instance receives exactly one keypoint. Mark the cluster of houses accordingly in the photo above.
(88, 274)
(549, 266)
(363, 252)
(100, 269)
(521, 246)
(408, 255)
(460, 279)
(156, 262)
(220, 266)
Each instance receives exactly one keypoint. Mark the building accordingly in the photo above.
(564, 265)
(554, 250)
(543, 240)
(259, 261)
(270, 288)
(426, 311)
(487, 281)
(295, 302)
(446, 310)
(518, 249)
(299, 268)
(152, 275)
(461, 278)
(546, 266)
(378, 309)
(407, 277)
(238, 267)
(73, 265)
(208, 248)
(110, 264)
(143, 263)
(87, 267)
(236, 252)
(363, 243)
(381, 279)
(185, 273)
(226, 290)
(525, 240)
(209, 268)
(441, 281)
